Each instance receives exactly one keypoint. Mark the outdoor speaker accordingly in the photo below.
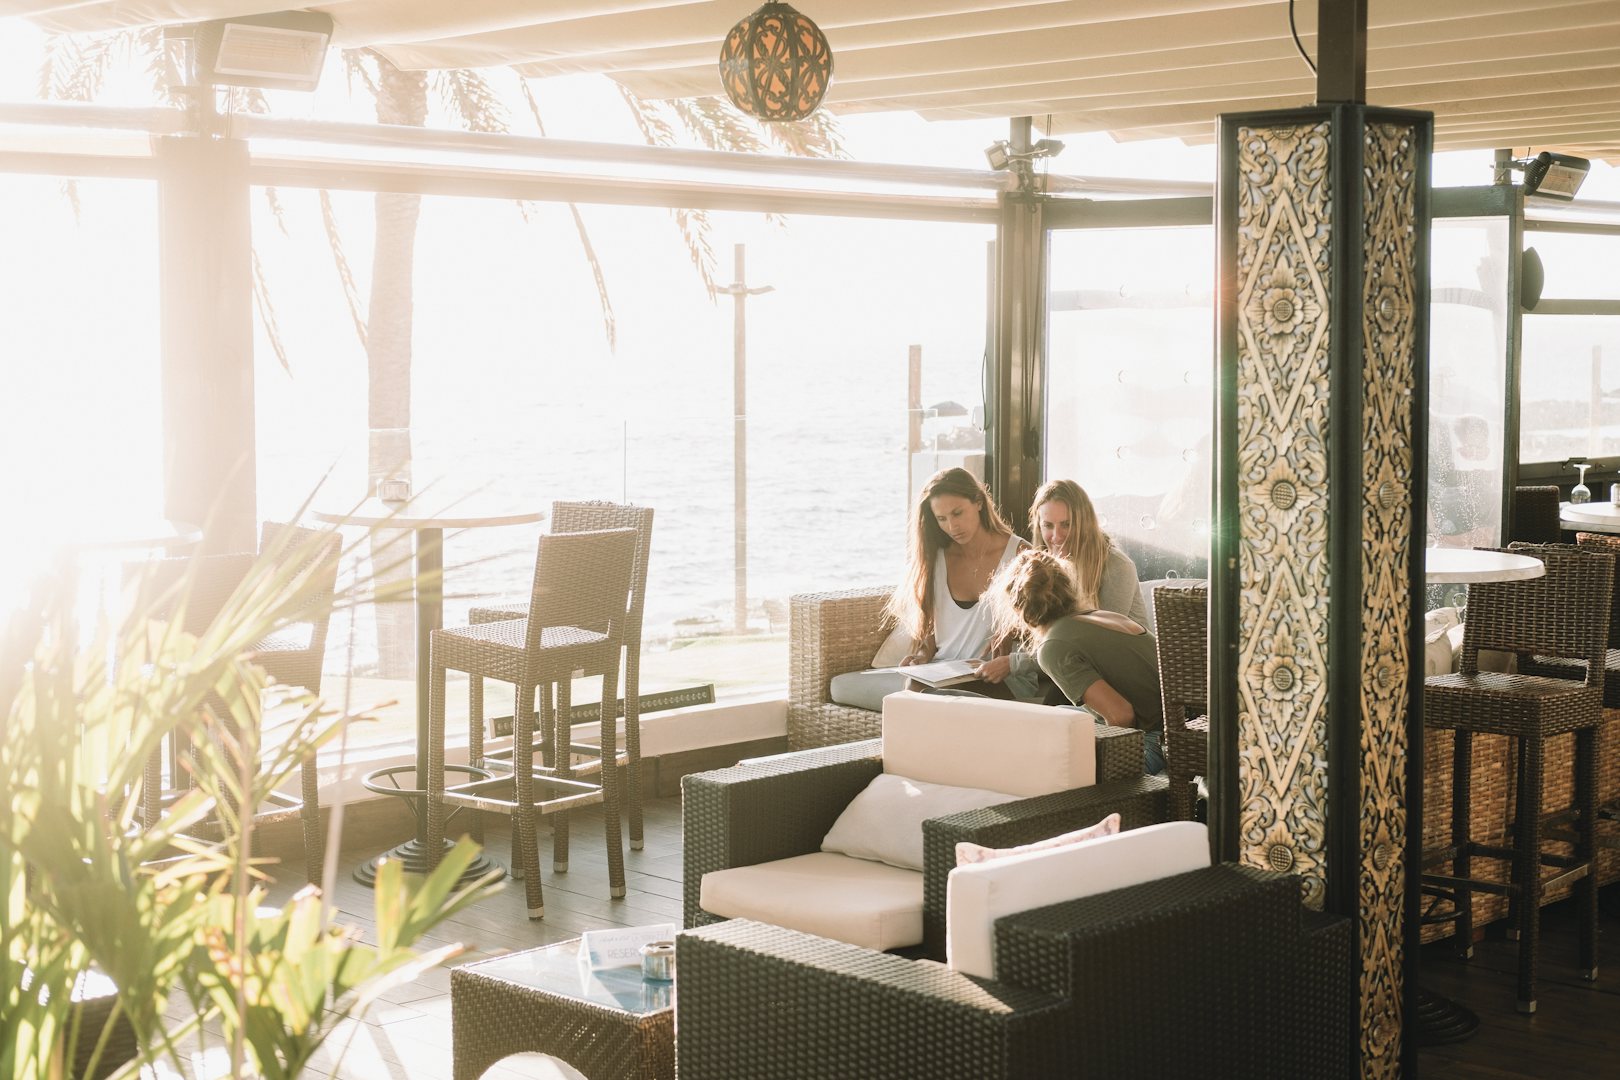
(1531, 278)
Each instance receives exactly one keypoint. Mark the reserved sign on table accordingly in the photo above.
(620, 947)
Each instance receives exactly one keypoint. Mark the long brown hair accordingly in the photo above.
(1032, 592)
(912, 603)
(1088, 546)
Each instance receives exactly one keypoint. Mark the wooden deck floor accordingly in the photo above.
(1576, 1032)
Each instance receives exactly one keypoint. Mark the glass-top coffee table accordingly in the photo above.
(610, 1025)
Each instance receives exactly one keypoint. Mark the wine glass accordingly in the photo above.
(1580, 493)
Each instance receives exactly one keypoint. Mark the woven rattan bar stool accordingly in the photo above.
(1181, 622)
(573, 517)
(577, 615)
(292, 654)
(1608, 750)
(1564, 614)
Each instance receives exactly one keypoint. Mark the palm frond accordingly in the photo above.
(718, 126)
(816, 136)
(351, 292)
(692, 224)
(75, 66)
(471, 100)
(610, 327)
(267, 314)
(356, 70)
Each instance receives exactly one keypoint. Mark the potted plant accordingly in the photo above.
(153, 915)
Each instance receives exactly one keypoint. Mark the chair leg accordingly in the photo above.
(1462, 778)
(610, 785)
(632, 743)
(524, 703)
(1586, 846)
(314, 838)
(1516, 812)
(563, 761)
(1527, 869)
(525, 839)
(475, 747)
(435, 776)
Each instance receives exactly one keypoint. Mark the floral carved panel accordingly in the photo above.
(1389, 300)
(1284, 281)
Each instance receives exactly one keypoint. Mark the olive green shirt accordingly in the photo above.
(1077, 653)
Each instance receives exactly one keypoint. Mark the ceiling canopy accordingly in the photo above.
(1517, 73)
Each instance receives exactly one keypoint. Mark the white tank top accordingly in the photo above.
(962, 633)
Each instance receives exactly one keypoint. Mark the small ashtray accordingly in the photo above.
(658, 961)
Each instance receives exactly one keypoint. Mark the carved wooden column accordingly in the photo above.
(1322, 222)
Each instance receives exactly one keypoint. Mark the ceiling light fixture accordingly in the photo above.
(1552, 176)
(776, 64)
(278, 50)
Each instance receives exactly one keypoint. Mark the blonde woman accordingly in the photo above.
(1062, 521)
(1098, 658)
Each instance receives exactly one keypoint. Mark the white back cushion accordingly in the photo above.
(977, 895)
(885, 821)
(1009, 746)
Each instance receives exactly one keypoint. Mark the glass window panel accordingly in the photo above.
(1129, 391)
(80, 397)
(1467, 379)
(1570, 388)
(516, 392)
(1577, 266)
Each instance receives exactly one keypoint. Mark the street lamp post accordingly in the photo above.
(739, 292)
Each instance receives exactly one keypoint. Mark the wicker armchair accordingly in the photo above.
(1215, 973)
(830, 634)
(782, 807)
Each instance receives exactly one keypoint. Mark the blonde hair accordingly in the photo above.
(912, 603)
(1032, 592)
(1088, 546)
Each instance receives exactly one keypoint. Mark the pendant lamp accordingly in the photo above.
(776, 64)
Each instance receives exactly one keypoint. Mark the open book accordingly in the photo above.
(943, 672)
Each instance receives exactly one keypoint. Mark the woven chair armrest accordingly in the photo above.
(1119, 753)
(769, 1003)
(1216, 972)
(829, 634)
(1141, 801)
(773, 809)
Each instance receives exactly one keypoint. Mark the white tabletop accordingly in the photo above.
(1450, 566)
(1603, 517)
(464, 514)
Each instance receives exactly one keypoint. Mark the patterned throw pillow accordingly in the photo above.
(977, 853)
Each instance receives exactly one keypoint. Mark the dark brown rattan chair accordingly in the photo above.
(1220, 972)
(292, 653)
(1608, 738)
(1181, 621)
(1564, 614)
(1535, 515)
(578, 609)
(574, 517)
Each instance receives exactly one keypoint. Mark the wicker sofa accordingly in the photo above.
(781, 808)
(830, 633)
(1216, 972)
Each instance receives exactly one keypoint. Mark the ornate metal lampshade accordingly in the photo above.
(776, 64)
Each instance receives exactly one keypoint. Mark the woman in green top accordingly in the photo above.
(1098, 658)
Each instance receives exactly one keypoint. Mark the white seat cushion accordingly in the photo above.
(979, 894)
(855, 900)
(974, 742)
